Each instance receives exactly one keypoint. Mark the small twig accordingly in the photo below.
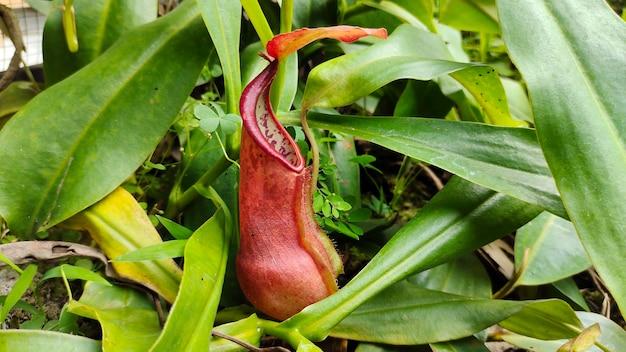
(247, 345)
(8, 18)
(606, 302)
(512, 284)
(159, 308)
(431, 174)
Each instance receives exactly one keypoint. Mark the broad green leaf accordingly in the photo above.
(467, 344)
(396, 9)
(463, 276)
(40, 340)
(13, 97)
(99, 24)
(206, 254)
(119, 225)
(613, 336)
(470, 15)
(421, 9)
(19, 287)
(532, 344)
(519, 105)
(554, 250)
(572, 55)
(434, 316)
(459, 219)
(371, 347)
(72, 272)
(243, 330)
(223, 20)
(568, 288)
(408, 53)
(424, 99)
(546, 320)
(507, 160)
(168, 249)
(77, 141)
(128, 318)
(583, 342)
(314, 13)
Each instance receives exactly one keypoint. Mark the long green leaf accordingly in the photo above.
(408, 53)
(460, 218)
(546, 320)
(78, 140)
(223, 20)
(119, 225)
(40, 340)
(613, 336)
(470, 15)
(465, 276)
(21, 285)
(434, 316)
(128, 318)
(554, 250)
(72, 272)
(206, 254)
(99, 24)
(573, 54)
(507, 160)
(243, 330)
(167, 249)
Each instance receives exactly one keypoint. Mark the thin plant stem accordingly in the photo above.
(315, 158)
(512, 284)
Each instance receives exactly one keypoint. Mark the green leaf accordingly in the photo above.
(314, 13)
(243, 330)
(568, 288)
(203, 112)
(408, 53)
(128, 318)
(459, 219)
(72, 272)
(39, 340)
(463, 276)
(470, 15)
(613, 337)
(230, 123)
(21, 285)
(545, 320)
(99, 24)
(434, 316)
(554, 250)
(119, 225)
(416, 13)
(467, 344)
(209, 124)
(176, 230)
(572, 55)
(206, 254)
(346, 179)
(13, 97)
(66, 149)
(223, 20)
(168, 249)
(507, 160)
